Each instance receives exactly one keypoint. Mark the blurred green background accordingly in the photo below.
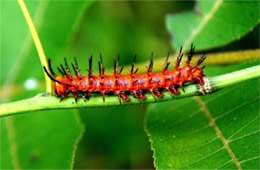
(113, 137)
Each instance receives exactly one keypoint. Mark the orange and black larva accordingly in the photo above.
(123, 85)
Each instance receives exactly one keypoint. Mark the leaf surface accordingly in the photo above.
(220, 130)
(115, 138)
(46, 140)
(40, 140)
(216, 131)
(14, 34)
(213, 23)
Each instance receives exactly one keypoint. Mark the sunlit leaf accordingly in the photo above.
(42, 139)
(216, 131)
(213, 23)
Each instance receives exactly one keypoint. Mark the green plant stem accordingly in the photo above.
(220, 58)
(46, 102)
(37, 41)
(229, 79)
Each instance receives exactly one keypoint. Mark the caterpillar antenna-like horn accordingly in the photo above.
(90, 60)
(50, 67)
(53, 79)
(167, 63)
(178, 61)
(133, 64)
(116, 64)
(62, 73)
(202, 58)
(150, 67)
(67, 66)
(48, 74)
(190, 54)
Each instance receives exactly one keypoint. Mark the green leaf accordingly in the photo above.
(45, 102)
(55, 31)
(14, 34)
(213, 24)
(41, 139)
(115, 139)
(45, 140)
(216, 131)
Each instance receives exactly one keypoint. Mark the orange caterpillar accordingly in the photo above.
(122, 85)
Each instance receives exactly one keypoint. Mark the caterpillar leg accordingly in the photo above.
(85, 95)
(152, 93)
(119, 97)
(103, 95)
(64, 96)
(173, 90)
(199, 80)
(157, 92)
(75, 95)
(122, 95)
(139, 94)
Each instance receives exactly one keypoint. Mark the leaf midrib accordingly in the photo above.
(12, 140)
(12, 75)
(218, 132)
(204, 21)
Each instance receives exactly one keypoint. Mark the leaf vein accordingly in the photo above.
(203, 23)
(241, 137)
(205, 157)
(12, 140)
(220, 135)
(235, 108)
(198, 146)
(250, 159)
(239, 130)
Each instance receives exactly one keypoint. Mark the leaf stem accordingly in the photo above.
(220, 58)
(225, 80)
(37, 42)
(47, 102)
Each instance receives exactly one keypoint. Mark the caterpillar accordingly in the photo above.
(123, 85)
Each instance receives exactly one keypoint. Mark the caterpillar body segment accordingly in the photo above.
(123, 85)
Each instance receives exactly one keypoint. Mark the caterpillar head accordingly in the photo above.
(59, 88)
(197, 75)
